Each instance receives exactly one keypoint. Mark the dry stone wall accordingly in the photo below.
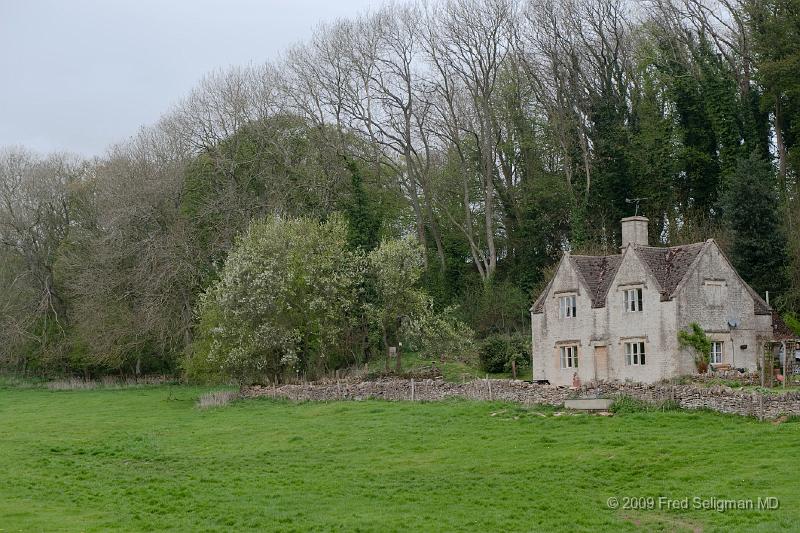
(764, 405)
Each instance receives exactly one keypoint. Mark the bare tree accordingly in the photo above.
(467, 42)
(35, 217)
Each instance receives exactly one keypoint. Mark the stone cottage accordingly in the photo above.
(616, 317)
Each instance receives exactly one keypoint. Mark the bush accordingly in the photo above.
(441, 336)
(286, 298)
(792, 322)
(498, 351)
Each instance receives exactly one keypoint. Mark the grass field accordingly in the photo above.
(149, 459)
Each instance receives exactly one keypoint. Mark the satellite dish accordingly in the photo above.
(733, 323)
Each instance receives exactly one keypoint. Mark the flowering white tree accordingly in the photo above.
(285, 300)
(292, 297)
(396, 267)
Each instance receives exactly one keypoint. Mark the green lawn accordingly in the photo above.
(148, 459)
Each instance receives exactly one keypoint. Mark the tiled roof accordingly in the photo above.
(669, 265)
(780, 330)
(762, 307)
(598, 272)
(538, 305)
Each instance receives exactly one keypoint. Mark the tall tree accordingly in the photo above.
(752, 212)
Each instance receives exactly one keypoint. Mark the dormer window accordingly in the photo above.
(633, 300)
(567, 306)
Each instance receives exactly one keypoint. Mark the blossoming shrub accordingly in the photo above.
(293, 299)
(284, 301)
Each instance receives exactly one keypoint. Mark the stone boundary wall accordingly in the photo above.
(717, 398)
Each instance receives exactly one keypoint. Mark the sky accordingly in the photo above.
(79, 75)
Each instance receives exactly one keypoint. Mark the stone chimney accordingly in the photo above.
(634, 230)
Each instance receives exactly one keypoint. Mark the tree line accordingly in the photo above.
(498, 133)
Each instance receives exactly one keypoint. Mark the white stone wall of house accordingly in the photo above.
(655, 325)
(713, 295)
(555, 331)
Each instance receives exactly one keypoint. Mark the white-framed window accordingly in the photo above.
(569, 357)
(716, 352)
(633, 300)
(566, 306)
(634, 353)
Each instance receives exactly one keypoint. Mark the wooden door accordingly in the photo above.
(601, 362)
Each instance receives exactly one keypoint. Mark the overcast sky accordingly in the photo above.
(77, 75)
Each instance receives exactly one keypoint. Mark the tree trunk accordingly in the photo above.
(420, 222)
(489, 202)
(437, 237)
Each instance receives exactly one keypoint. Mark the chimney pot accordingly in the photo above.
(634, 230)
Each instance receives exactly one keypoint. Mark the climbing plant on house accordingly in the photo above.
(698, 341)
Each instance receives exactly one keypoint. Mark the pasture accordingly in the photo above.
(146, 459)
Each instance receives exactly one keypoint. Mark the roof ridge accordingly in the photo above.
(595, 256)
(698, 243)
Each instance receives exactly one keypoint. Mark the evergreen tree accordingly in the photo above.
(752, 213)
(364, 219)
(775, 29)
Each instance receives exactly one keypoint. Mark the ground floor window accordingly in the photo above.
(569, 357)
(716, 352)
(634, 353)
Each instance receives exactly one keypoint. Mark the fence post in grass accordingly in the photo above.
(412, 389)
(489, 383)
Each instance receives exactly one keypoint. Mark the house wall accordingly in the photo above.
(550, 331)
(695, 303)
(655, 325)
(608, 328)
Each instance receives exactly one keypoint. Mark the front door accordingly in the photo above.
(600, 362)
